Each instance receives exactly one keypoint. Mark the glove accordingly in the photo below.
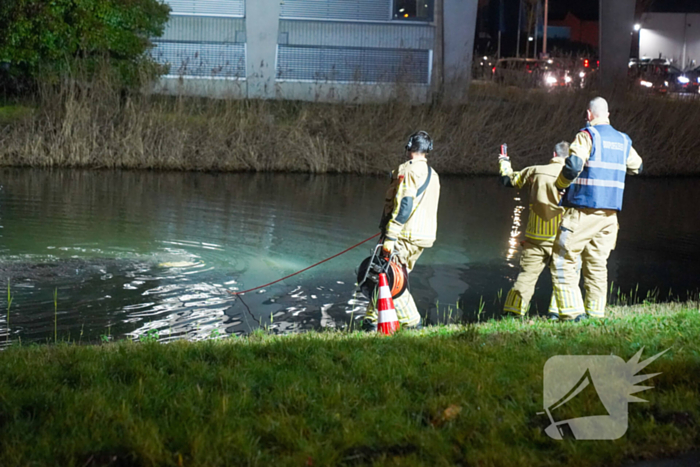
(388, 247)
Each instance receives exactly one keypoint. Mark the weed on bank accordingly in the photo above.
(447, 395)
(95, 125)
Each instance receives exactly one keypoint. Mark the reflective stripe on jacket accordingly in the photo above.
(601, 183)
(545, 213)
(410, 209)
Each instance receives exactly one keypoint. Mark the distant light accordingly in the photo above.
(567, 79)
(550, 80)
(406, 15)
(666, 83)
(582, 75)
(637, 27)
(530, 38)
(683, 80)
(646, 84)
(402, 10)
(550, 61)
(485, 57)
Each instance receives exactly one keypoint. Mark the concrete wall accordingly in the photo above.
(350, 92)
(674, 36)
(459, 17)
(262, 29)
(215, 88)
(381, 46)
(616, 27)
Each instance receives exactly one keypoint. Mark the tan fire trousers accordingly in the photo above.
(406, 309)
(586, 235)
(534, 258)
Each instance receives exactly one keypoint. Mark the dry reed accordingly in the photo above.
(97, 126)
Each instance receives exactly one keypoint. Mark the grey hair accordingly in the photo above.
(562, 149)
(599, 107)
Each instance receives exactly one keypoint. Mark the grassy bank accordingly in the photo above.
(97, 126)
(441, 396)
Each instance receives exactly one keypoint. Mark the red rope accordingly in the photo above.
(305, 269)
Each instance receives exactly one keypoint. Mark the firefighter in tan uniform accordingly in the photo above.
(542, 226)
(409, 220)
(594, 174)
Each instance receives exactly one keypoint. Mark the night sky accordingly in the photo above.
(587, 10)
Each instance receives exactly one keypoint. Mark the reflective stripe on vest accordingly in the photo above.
(601, 183)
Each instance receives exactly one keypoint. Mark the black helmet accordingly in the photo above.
(420, 142)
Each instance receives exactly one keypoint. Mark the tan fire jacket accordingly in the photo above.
(411, 205)
(545, 212)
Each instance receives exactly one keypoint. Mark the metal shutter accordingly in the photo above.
(201, 59)
(353, 64)
(350, 10)
(207, 7)
(370, 35)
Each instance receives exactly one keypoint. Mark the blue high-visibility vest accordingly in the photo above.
(601, 183)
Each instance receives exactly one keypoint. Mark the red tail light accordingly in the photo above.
(493, 70)
(586, 63)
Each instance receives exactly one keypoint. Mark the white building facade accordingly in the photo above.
(319, 50)
(674, 36)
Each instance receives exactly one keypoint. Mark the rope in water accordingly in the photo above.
(305, 269)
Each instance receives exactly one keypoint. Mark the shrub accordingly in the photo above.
(45, 39)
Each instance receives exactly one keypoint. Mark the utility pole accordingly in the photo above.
(537, 27)
(500, 26)
(546, 21)
(685, 42)
(520, 20)
(529, 32)
(438, 57)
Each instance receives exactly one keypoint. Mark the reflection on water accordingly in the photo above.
(139, 253)
(515, 232)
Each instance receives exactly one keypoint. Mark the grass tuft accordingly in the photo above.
(443, 395)
(95, 125)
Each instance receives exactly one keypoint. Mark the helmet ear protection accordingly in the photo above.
(419, 142)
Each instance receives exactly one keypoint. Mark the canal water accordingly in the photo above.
(97, 255)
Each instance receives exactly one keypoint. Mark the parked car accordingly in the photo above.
(531, 73)
(482, 66)
(655, 76)
(688, 82)
(584, 71)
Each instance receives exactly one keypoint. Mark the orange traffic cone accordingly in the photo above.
(388, 321)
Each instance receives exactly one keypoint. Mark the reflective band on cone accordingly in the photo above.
(388, 321)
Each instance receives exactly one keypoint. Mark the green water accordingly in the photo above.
(129, 253)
